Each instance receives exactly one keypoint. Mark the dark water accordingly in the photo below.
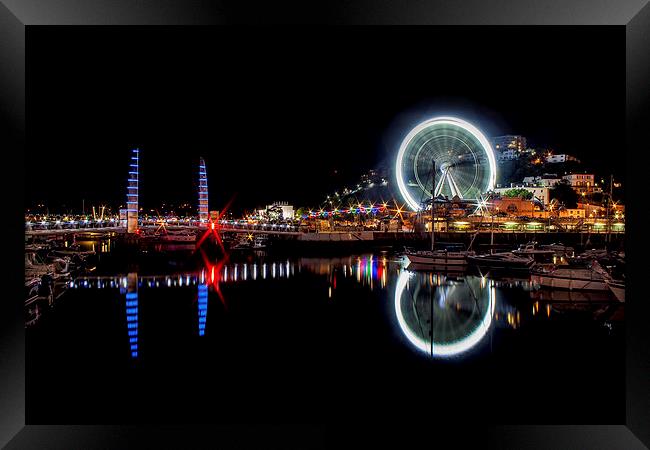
(279, 338)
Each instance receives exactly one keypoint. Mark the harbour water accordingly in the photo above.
(176, 335)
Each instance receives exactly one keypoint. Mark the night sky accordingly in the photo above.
(292, 113)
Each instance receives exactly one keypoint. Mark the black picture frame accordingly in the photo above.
(16, 15)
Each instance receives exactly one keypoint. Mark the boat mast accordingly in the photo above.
(433, 196)
(609, 204)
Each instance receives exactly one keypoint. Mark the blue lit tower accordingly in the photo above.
(203, 193)
(132, 193)
(202, 303)
(132, 312)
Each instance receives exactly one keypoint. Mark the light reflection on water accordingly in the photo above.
(439, 315)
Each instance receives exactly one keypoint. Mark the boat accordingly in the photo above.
(574, 296)
(573, 277)
(73, 250)
(35, 266)
(559, 249)
(171, 236)
(613, 279)
(178, 238)
(531, 249)
(592, 254)
(449, 270)
(32, 289)
(617, 287)
(441, 258)
(248, 243)
(504, 260)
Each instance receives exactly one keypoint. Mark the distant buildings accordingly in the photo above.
(546, 180)
(592, 210)
(554, 159)
(508, 147)
(278, 210)
(582, 183)
(572, 213)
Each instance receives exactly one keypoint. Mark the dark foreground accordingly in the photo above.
(291, 339)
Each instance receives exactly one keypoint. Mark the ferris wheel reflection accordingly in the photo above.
(444, 316)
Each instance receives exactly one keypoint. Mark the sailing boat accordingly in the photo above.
(452, 256)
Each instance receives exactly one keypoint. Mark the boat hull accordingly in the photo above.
(618, 290)
(500, 264)
(437, 260)
(559, 282)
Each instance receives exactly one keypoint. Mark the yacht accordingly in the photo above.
(559, 249)
(531, 249)
(615, 279)
(443, 257)
(35, 266)
(571, 277)
(617, 287)
(505, 260)
(178, 237)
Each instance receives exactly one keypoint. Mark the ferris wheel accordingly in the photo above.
(444, 156)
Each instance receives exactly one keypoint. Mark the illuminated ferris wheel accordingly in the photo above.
(444, 156)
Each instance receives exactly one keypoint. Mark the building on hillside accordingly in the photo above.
(508, 147)
(554, 159)
(582, 182)
(546, 180)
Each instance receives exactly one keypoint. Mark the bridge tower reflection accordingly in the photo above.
(202, 302)
(132, 312)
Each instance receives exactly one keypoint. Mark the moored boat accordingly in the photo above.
(531, 249)
(559, 249)
(618, 289)
(571, 277)
(439, 257)
(505, 260)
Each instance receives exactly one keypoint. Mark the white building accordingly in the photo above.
(507, 155)
(546, 180)
(552, 159)
(286, 210)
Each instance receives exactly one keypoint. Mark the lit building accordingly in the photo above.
(581, 182)
(553, 159)
(123, 214)
(592, 210)
(546, 180)
(508, 146)
(573, 213)
(513, 206)
(282, 209)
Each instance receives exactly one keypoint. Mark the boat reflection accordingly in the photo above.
(444, 316)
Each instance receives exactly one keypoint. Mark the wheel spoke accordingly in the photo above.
(455, 189)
